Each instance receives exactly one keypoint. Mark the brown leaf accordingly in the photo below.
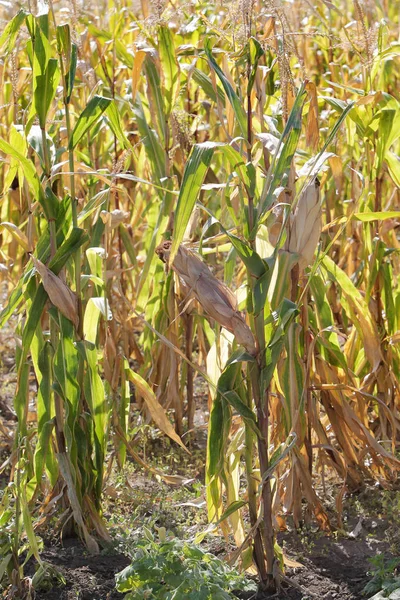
(59, 293)
(312, 129)
(156, 411)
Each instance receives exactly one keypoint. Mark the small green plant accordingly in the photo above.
(384, 577)
(172, 569)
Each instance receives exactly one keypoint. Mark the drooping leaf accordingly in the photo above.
(155, 409)
(230, 92)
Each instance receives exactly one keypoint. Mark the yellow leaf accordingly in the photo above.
(156, 411)
(18, 235)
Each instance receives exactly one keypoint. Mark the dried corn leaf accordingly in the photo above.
(18, 235)
(59, 293)
(305, 227)
(312, 129)
(156, 411)
(216, 299)
(136, 71)
(114, 218)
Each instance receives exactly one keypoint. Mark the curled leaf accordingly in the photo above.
(18, 235)
(114, 218)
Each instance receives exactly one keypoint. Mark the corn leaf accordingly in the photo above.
(89, 117)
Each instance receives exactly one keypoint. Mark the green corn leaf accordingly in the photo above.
(284, 316)
(220, 418)
(230, 92)
(75, 240)
(280, 267)
(95, 397)
(28, 524)
(368, 217)
(156, 94)
(232, 508)
(69, 50)
(255, 52)
(28, 169)
(206, 84)
(392, 316)
(216, 441)
(193, 178)
(44, 455)
(330, 347)
(250, 258)
(128, 244)
(66, 249)
(21, 398)
(70, 76)
(94, 203)
(18, 142)
(123, 410)
(89, 117)
(359, 310)
(393, 163)
(66, 363)
(114, 119)
(45, 73)
(150, 141)
(278, 173)
(292, 377)
(64, 43)
(246, 172)
(385, 128)
(66, 246)
(241, 408)
(8, 37)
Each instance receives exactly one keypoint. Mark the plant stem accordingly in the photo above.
(265, 533)
(191, 405)
(252, 492)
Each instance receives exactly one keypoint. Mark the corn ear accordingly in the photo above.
(306, 224)
(216, 299)
(59, 293)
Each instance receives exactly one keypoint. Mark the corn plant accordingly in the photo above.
(254, 142)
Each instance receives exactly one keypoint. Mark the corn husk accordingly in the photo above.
(306, 225)
(216, 299)
(59, 293)
(114, 218)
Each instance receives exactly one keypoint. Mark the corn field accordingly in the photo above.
(199, 192)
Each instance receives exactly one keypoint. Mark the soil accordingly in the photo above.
(87, 577)
(333, 567)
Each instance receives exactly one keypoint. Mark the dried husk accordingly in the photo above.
(114, 218)
(306, 225)
(59, 293)
(216, 299)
